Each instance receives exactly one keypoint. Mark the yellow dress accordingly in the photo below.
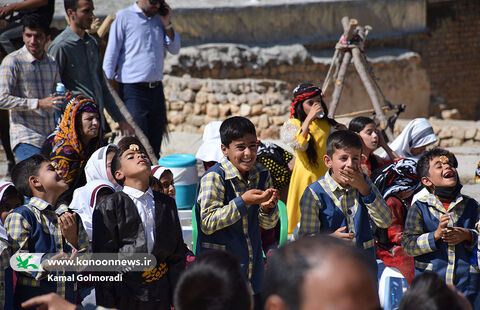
(304, 173)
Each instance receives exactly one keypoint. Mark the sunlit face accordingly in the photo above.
(167, 184)
(134, 164)
(242, 153)
(440, 174)
(50, 179)
(307, 104)
(369, 135)
(90, 123)
(35, 40)
(341, 159)
(83, 16)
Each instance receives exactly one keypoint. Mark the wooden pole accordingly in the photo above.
(128, 117)
(337, 91)
(360, 66)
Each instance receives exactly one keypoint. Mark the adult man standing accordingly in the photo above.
(27, 80)
(79, 61)
(138, 41)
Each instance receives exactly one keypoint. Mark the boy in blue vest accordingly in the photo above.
(235, 199)
(341, 202)
(43, 227)
(440, 229)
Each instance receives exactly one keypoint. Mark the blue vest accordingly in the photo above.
(42, 242)
(466, 276)
(332, 218)
(233, 239)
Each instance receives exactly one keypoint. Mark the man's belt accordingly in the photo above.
(150, 84)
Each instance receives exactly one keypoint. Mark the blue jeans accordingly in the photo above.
(147, 106)
(24, 150)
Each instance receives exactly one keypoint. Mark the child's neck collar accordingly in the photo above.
(49, 198)
(137, 184)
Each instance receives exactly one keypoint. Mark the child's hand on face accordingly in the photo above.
(256, 196)
(271, 203)
(442, 227)
(315, 109)
(68, 225)
(456, 235)
(340, 234)
(354, 177)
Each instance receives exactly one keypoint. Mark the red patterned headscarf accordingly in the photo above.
(301, 93)
(69, 152)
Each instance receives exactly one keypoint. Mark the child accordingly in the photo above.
(413, 140)
(440, 231)
(343, 202)
(163, 181)
(397, 182)
(235, 199)
(366, 128)
(306, 133)
(138, 220)
(43, 227)
(98, 166)
(9, 200)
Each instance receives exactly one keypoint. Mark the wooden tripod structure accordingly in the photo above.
(351, 46)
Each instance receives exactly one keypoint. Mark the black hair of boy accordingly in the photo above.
(11, 191)
(342, 139)
(36, 21)
(423, 164)
(358, 123)
(289, 265)
(234, 128)
(124, 145)
(24, 170)
(213, 282)
(429, 292)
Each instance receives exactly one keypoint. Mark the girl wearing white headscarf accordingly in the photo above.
(413, 140)
(98, 166)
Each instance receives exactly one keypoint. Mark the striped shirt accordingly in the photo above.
(347, 200)
(23, 81)
(19, 232)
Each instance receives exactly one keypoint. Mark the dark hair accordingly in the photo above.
(234, 128)
(342, 139)
(9, 192)
(213, 282)
(123, 145)
(24, 170)
(288, 266)
(423, 164)
(358, 123)
(70, 4)
(36, 21)
(429, 292)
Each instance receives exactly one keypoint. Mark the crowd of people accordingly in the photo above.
(351, 198)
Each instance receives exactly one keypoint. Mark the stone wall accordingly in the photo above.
(399, 71)
(192, 103)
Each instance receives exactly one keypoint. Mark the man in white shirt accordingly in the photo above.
(139, 38)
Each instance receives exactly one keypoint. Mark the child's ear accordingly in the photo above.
(119, 175)
(224, 149)
(328, 161)
(33, 181)
(426, 181)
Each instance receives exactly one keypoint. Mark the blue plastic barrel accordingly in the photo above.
(185, 176)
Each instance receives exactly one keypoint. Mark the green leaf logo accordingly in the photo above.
(23, 264)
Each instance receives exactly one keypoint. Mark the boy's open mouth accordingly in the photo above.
(449, 174)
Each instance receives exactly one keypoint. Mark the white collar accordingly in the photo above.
(136, 193)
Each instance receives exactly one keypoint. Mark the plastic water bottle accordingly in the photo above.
(59, 91)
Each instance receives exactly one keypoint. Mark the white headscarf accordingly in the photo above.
(157, 171)
(417, 133)
(84, 201)
(3, 187)
(210, 150)
(96, 167)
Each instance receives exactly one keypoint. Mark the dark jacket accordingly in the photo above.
(117, 228)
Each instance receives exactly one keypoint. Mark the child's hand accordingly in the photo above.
(340, 234)
(442, 227)
(270, 204)
(68, 225)
(456, 235)
(355, 178)
(256, 196)
(314, 110)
